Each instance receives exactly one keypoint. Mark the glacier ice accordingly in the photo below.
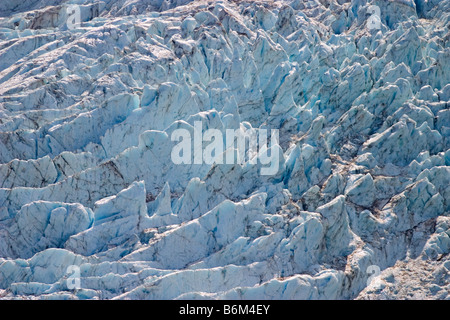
(89, 105)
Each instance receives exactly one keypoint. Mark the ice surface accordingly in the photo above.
(87, 114)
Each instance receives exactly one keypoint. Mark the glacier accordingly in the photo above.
(92, 92)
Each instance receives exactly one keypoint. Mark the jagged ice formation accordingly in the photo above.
(86, 177)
